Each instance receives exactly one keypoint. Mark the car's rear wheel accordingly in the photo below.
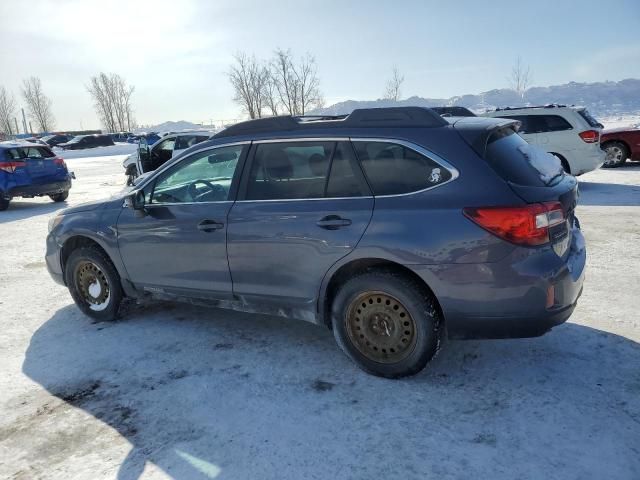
(60, 197)
(386, 323)
(616, 154)
(94, 283)
(4, 203)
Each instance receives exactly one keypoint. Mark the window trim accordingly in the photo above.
(242, 190)
(177, 160)
(422, 151)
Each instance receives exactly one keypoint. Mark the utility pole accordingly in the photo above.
(24, 121)
(15, 120)
(30, 128)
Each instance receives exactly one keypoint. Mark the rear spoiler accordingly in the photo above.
(477, 131)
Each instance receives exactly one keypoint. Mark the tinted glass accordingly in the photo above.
(555, 123)
(393, 169)
(519, 162)
(203, 177)
(167, 145)
(345, 179)
(289, 170)
(185, 141)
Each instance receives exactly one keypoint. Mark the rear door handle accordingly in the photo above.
(209, 225)
(333, 222)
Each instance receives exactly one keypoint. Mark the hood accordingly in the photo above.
(115, 201)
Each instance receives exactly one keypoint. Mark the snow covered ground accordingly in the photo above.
(174, 391)
(621, 121)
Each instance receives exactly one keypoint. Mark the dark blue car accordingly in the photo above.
(393, 227)
(31, 170)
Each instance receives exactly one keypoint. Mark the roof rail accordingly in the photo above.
(360, 118)
(549, 105)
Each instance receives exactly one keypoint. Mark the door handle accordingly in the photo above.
(333, 222)
(209, 225)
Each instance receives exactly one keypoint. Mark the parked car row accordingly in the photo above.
(351, 222)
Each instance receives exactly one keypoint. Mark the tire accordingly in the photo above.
(398, 335)
(60, 197)
(4, 203)
(131, 176)
(99, 299)
(617, 154)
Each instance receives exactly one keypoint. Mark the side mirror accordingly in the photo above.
(135, 201)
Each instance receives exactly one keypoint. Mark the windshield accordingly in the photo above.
(77, 139)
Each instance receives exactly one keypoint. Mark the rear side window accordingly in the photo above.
(289, 170)
(518, 162)
(541, 123)
(345, 178)
(393, 169)
(555, 123)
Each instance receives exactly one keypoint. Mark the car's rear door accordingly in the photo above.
(303, 205)
(179, 246)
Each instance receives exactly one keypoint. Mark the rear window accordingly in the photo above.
(584, 113)
(29, 152)
(392, 169)
(518, 162)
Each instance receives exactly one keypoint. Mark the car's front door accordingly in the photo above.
(303, 205)
(179, 245)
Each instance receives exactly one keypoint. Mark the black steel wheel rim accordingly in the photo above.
(92, 285)
(380, 327)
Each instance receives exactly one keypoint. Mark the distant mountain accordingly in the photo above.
(601, 98)
(170, 127)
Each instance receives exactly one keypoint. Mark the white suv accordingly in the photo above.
(149, 157)
(569, 133)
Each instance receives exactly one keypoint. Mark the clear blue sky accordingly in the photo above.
(177, 53)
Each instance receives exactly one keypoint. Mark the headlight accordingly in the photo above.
(55, 221)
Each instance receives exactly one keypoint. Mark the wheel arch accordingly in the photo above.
(80, 240)
(563, 160)
(341, 273)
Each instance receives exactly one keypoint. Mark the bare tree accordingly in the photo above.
(298, 85)
(249, 80)
(38, 104)
(270, 95)
(7, 111)
(392, 91)
(112, 100)
(520, 78)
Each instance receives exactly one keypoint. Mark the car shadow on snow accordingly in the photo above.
(203, 393)
(609, 194)
(23, 209)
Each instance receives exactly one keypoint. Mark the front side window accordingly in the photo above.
(289, 170)
(393, 169)
(203, 177)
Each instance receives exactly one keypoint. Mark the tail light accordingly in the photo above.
(590, 136)
(60, 162)
(10, 167)
(528, 225)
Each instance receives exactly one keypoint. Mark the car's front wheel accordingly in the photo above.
(60, 197)
(616, 154)
(94, 283)
(386, 323)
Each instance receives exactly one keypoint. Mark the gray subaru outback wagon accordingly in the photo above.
(393, 227)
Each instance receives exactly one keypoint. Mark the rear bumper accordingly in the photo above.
(509, 298)
(34, 190)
